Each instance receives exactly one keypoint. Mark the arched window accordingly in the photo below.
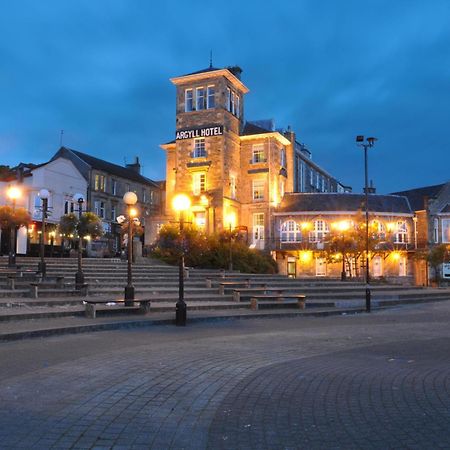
(401, 233)
(319, 232)
(290, 231)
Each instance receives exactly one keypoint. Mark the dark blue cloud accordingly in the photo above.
(331, 70)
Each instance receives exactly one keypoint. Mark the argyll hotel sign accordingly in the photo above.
(215, 130)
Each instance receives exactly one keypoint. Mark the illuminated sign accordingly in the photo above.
(200, 132)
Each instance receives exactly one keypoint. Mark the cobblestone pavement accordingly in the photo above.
(362, 381)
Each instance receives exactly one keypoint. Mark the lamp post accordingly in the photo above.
(130, 199)
(13, 193)
(42, 266)
(181, 203)
(79, 276)
(369, 142)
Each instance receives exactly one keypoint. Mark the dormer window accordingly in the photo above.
(200, 100)
(189, 100)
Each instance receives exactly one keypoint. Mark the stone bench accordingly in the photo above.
(233, 284)
(56, 288)
(242, 293)
(91, 306)
(277, 300)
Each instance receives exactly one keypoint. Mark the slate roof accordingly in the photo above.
(417, 196)
(250, 128)
(446, 208)
(328, 202)
(113, 169)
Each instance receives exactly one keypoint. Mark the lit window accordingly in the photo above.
(99, 183)
(258, 154)
(233, 186)
(319, 232)
(199, 148)
(445, 230)
(378, 229)
(189, 100)
(290, 231)
(200, 98)
(258, 227)
(199, 183)
(258, 190)
(401, 234)
(211, 99)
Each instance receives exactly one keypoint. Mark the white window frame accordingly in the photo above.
(210, 97)
(238, 105)
(290, 231)
(199, 148)
(258, 190)
(401, 232)
(258, 153)
(436, 231)
(188, 100)
(198, 183)
(319, 232)
(258, 228)
(200, 98)
(99, 207)
(445, 224)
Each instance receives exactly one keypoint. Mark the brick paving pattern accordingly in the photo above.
(378, 381)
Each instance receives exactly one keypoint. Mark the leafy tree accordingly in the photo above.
(435, 256)
(210, 251)
(89, 225)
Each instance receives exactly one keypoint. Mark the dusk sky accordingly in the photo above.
(100, 71)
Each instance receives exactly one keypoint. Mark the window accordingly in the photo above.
(319, 232)
(113, 213)
(114, 187)
(436, 231)
(200, 98)
(127, 187)
(311, 177)
(144, 195)
(401, 235)
(99, 183)
(258, 154)
(68, 207)
(258, 190)
(445, 230)
(189, 100)
(199, 183)
(199, 148)
(152, 197)
(228, 99)
(258, 230)
(290, 231)
(99, 208)
(200, 219)
(211, 99)
(233, 104)
(283, 157)
(238, 106)
(378, 229)
(233, 186)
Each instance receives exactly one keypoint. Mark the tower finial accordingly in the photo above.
(210, 59)
(61, 138)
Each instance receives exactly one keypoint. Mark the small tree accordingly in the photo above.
(10, 218)
(89, 225)
(435, 257)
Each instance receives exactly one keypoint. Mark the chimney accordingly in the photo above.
(136, 166)
(371, 189)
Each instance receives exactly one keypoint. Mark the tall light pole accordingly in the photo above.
(130, 199)
(181, 203)
(369, 142)
(42, 267)
(13, 193)
(79, 276)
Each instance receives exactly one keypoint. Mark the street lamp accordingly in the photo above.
(130, 199)
(181, 203)
(13, 193)
(79, 276)
(42, 267)
(370, 141)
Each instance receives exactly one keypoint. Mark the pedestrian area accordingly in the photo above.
(377, 381)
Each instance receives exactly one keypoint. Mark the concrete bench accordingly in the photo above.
(242, 293)
(277, 300)
(232, 284)
(91, 306)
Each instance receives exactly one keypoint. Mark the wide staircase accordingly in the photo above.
(23, 295)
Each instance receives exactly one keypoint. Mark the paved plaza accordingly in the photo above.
(378, 381)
